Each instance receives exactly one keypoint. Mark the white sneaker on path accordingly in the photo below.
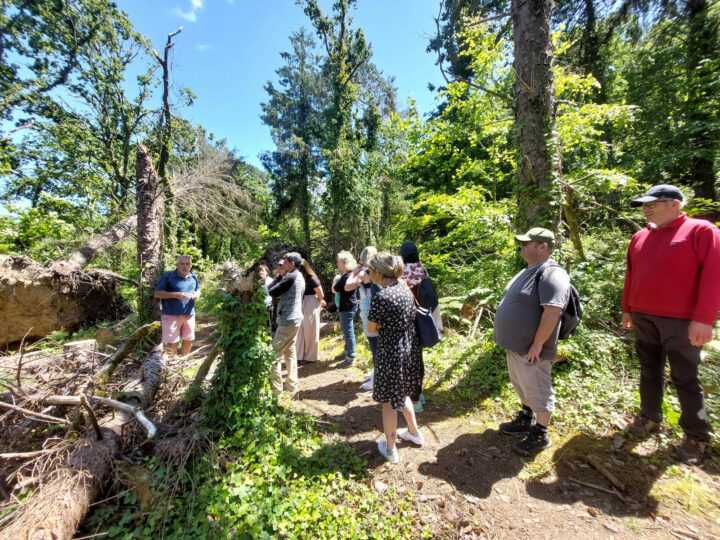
(393, 457)
(405, 435)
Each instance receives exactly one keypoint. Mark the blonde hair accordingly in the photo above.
(347, 259)
(367, 254)
(308, 269)
(389, 265)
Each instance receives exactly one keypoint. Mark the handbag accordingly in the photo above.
(427, 330)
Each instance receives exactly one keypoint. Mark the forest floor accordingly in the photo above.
(466, 481)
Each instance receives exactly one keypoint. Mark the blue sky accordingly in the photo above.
(229, 49)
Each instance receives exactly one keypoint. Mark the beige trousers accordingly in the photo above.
(284, 347)
(308, 339)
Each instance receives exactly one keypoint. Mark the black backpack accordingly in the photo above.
(427, 295)
(573, 310)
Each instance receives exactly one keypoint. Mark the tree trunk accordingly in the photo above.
(97, 245)
(702, 49)
(571, 218)
(534, 109)
(149, 211)
(57, 509)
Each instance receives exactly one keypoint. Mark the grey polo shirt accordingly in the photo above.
(518, 315)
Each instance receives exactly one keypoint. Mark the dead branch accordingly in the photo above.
(112, 403)
(59, 505)
(33, 414)
(475, 325)
(599, 488)
(91, 417)
(114, 276)
(597, 464)
(205, 366)
(126, 347)
(20, 359)
(26, 455)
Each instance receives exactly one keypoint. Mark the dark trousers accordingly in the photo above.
(655, 339)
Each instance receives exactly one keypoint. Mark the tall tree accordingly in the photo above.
(703, 96)
(347, 52)
(293, 113)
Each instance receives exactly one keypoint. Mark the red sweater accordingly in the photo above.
(674, 271)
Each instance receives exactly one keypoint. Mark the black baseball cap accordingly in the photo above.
(661, 191)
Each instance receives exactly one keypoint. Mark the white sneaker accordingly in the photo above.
(369, 375)
(405, 435)
(367, 385)
(393, 457)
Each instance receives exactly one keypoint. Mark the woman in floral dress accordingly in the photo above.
(398, 362)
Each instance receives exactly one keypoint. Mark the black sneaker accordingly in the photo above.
(345, 363)
(520, 426)
(536, 441)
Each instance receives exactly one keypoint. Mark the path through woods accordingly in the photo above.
(466, 482)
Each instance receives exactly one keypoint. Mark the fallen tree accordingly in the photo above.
(64, 498)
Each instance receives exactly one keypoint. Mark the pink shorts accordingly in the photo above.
(177, 327)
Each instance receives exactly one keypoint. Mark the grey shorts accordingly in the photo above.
(532, 382)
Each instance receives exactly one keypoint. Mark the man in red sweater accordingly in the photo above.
(671, 299)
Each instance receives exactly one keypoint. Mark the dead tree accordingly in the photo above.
(149, 240)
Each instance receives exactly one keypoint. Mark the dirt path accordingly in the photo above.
(467, 482)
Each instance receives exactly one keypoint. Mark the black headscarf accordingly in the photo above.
(409, 252)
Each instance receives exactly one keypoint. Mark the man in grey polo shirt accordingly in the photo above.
(527, 324)
(289, 288)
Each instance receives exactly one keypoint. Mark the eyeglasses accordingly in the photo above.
(652, 204)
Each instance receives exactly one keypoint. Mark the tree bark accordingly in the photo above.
(534, 109)
(702, 49)
(57, 509)
(571, 218)
(149, 248)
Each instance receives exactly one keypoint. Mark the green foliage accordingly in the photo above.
(240, 385)
(44, 232)
(466, 245)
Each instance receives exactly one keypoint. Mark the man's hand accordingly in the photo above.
(184, 296)
(533, 354)
(700, 333)
(627, 322)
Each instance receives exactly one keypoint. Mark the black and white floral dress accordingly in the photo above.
(398, 363)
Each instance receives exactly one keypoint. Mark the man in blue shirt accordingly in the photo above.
(178, 290)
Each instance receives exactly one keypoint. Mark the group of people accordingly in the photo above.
(671, 299)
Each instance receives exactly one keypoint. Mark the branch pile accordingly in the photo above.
(73, 435)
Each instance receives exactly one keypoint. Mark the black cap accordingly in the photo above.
(661, 191)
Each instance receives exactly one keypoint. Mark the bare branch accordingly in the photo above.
(35, 415)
